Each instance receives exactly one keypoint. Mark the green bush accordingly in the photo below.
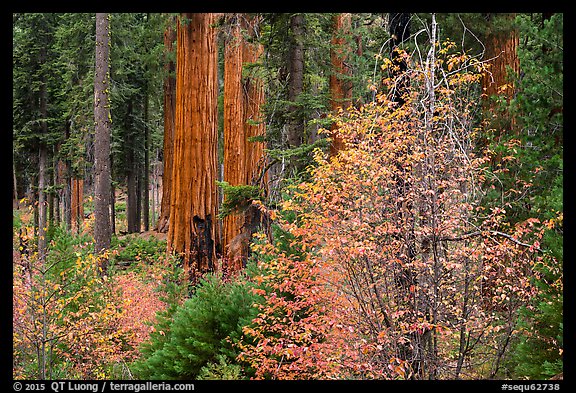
(201, 333)
(134, 248)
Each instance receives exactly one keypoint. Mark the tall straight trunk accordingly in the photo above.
(296, 80)
(138, 171)
(193, 208)
(254, 126)
(57, 191)
(15, 185)
(67, 198)
(243, 158)
(131, 198)
(65, 170)
(463, 347)
(340, 82)
(502, 49)
(112, 198)
(234, 132)
(42, 162)
(42, 158)
(146, 175)
(42, 222)
(169, 109)
(254, 122)
(133, 224)
(51, 180)
(102, 122)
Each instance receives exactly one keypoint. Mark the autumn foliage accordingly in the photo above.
(400, 272)
(70, 321)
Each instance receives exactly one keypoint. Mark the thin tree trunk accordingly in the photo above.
(462, 350)
(74, 205)
(131, 177)
(169, 109)
(146, 179)
(138, 171)
(112, 198)
(51, 180)
(66, 169)
(193, 208)
(295, 130)
(57, 191)
(67, 200)
(42, 162)
(42, 158)
(102, 121)
(15, 185)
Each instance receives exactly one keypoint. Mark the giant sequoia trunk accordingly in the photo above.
(340, 82)
(502, 51)
(254, 124)
(193, 224)
(234, 133)
(102, 123)
(169, 108)
(243, 158)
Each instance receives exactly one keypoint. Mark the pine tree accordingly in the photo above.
(202, 330)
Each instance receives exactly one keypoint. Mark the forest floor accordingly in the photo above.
(23, 216)
(146, 235)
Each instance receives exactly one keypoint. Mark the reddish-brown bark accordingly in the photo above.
(502, 51)
(169, 108)
(234, 133)
(193, 199)
(243, 98)
(340, 83)
(77, 206)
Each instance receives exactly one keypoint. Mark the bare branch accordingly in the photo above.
(491, 232)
